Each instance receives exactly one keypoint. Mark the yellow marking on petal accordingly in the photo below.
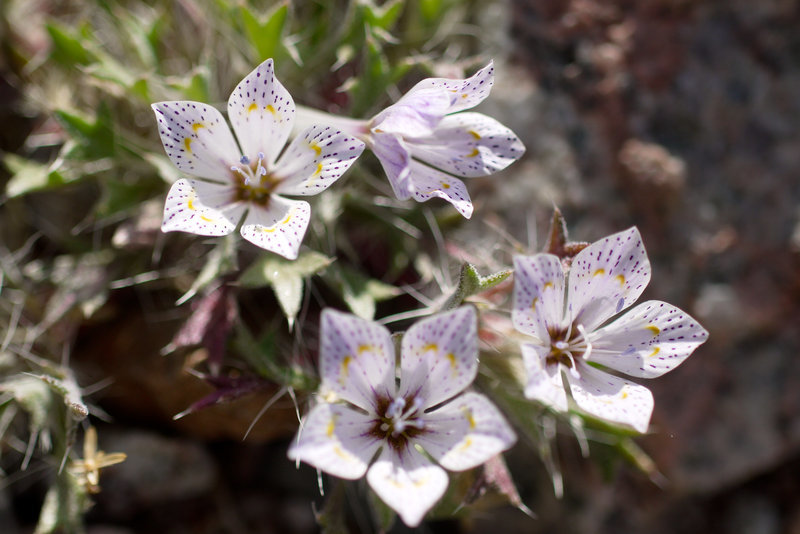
(366, 348)
(654, 329)
(345, 364)
(445, 185)
(206, 219)
(430, 346)
(599, 272)
(318, 171)
(331, 427)
(656, 350)
(421, 482)
(474, 153)
(341, 454)
(316, 148)
(464, 95)
(470, 419)
(188, 144)
(533, 304)
(287, 219)
(196, 126)
(621, 279)
(474, 134)
(547, 285)
(452, 358)
(624, 395)
(252, 107)
(467, 444)
(190, 204)
(271, 109)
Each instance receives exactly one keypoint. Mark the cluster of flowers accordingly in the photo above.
(401, 427)
(416, 140)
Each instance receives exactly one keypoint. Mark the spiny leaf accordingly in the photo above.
(470, 282)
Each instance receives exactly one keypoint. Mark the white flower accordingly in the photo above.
(246, 176)
(425, 139)
(567, 316)
(426, 409)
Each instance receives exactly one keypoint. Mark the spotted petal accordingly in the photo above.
(611, 398)
(439, 356)
(538, 295)
(395, 160)
(466, 432)
(408, 483)
(357, 359)
(279, 227)
(197, 207)
(606, 277)
(544, 381)
(468, 144)
(464, 94)
(262, 112)
(415, 114)
(335, 439)
(651, 339)
(315, 159)
(427, 182)
(196, 139)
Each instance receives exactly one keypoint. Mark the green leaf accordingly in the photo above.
(470, 282)
(383, 17)
(67, 46)
(30, 176)
(194, 87)
(285, 277)
(120, 196)
(69, 390)
(360, 292)
(265, 33)
(95, 137)
(64, 505)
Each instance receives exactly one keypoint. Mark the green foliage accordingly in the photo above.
(285, 277)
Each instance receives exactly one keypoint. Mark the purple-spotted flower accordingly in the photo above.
(567, 316)
(426, 139)
(248, 177)
(368, 412)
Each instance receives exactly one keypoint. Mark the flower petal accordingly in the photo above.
(417, 113)
(279, 227)
(606, 277)
(395, 160)
(466, 432)
(649, 340)
(356, 360)
(262, 112)
(538, 295)
(408, 483)
(439, 356)
(335, 439)
(196, 138)
(468, 144)
(197, 207)
(427, 182)
(611, 398)
(544, 381)
(464, 94)
(315, 159)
